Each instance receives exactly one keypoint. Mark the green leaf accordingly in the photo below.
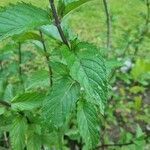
(19, 18)
(139, 133)
(7, 51)
(65, 6)
(61, 101)
(26, 37)
(88, 68)
(34, 137)
(87, 119)
(59, 70)
(34, 142)
(51, 31)
(8, 93)
(138, 73)
(28, 101)
(38, 79)
(17, 133)
(2, 110)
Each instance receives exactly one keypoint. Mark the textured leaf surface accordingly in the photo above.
(87, 67)
(17, 133)
(61, 101)
(88, 125)
(19, 18)
(28, 101)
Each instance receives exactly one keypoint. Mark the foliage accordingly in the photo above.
(59, 92)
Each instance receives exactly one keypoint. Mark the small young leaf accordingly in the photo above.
(19, 18)
(87, 119)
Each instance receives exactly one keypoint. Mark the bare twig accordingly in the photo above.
(108, 21)
(57, 22)
(119, 144)
(47, 59)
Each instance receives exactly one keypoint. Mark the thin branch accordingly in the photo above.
(57, 22)
(20, 62)
(139, 39)
(20, 59)
(108, 21)
(6, 140)
(5, 104)
(116, 145)
(103, 133)
(120, 144)
(148, 11)
(1, 65)
(42, 147)
(47, 59)
(145, 30)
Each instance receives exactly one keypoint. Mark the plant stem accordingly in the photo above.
(112, 145)
(138, 39)
(6, 140)
(42, 147)
(20, 62)
(148, 11)
(1, 65)
(20, 59)
(60, 140)
(145, 30)
(108, 21)
(119, 144)
(47, 59)
(57, 22)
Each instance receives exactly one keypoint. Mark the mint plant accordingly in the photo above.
(56, 104)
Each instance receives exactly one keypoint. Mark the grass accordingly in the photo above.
(88, 21)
